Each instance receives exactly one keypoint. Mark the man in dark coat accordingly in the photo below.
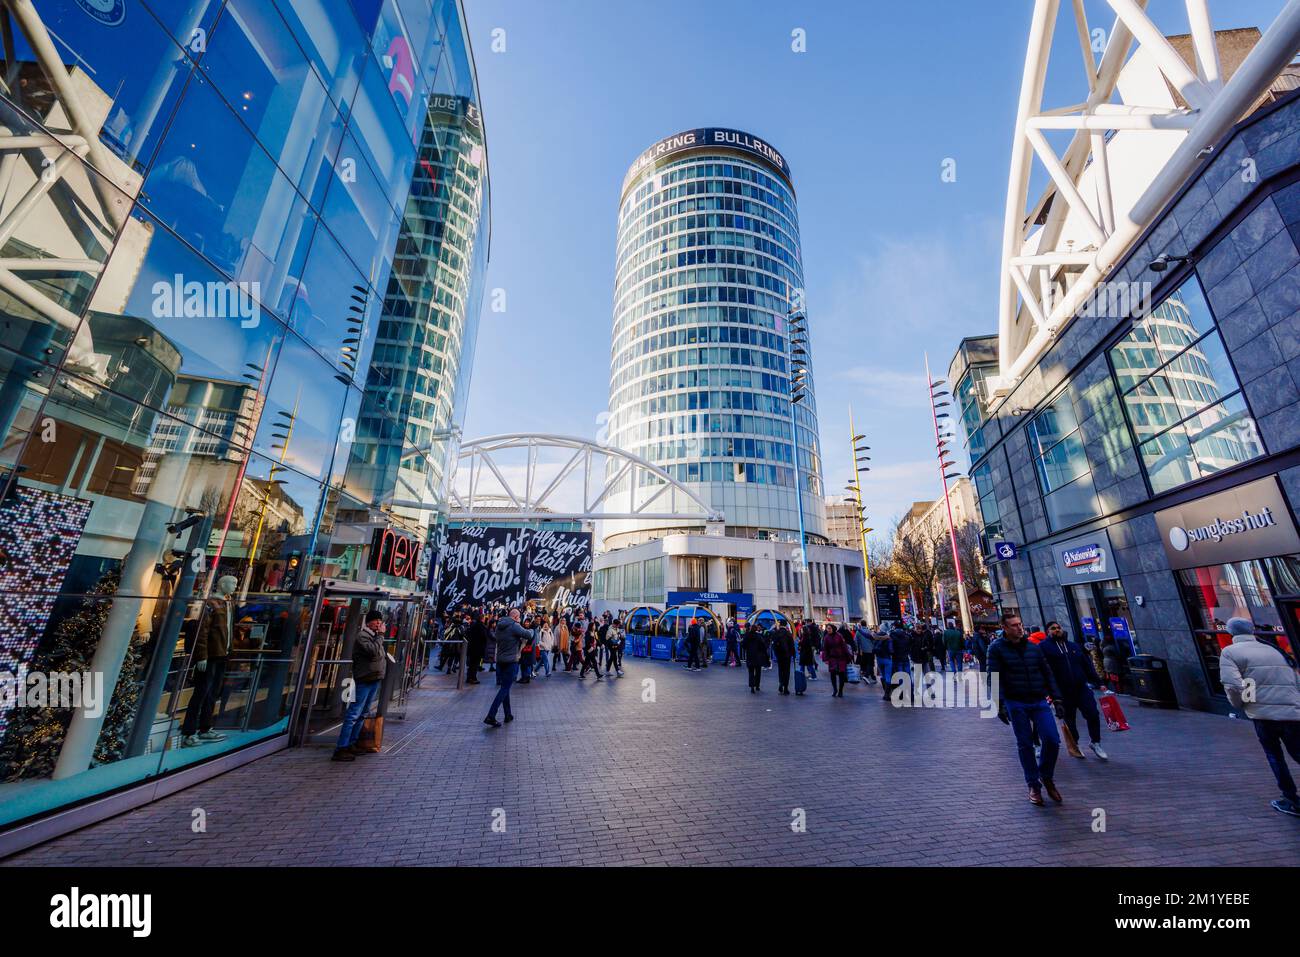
(1027, 690)
(1074, 672)
(755, 655)
(783, 652)
(694, 640)
(900, 646)
(733, 642)
(476, 648)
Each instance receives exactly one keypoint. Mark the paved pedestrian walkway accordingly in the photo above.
(695, 770)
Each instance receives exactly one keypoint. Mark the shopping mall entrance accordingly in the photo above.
(338, 611)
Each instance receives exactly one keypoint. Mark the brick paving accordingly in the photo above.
(706, 773)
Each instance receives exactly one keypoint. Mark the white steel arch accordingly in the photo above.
(1046, 277)
(528, 494)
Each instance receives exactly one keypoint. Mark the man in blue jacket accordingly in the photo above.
(1025, 682)
(1075, 676)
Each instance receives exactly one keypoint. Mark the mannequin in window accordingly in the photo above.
(211, 650)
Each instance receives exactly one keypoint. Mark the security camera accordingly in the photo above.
(1164, 261)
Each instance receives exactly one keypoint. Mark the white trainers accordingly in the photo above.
(212, 736)
(1096, 749)
(190, 741)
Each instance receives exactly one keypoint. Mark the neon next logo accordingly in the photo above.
(76, 910)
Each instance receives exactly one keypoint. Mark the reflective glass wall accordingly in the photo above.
(200, 207)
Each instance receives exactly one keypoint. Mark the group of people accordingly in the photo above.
(521, 644)
(1043, 676)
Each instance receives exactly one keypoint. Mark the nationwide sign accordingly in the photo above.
(1249, 521)
(707, 137)
(1084, 559)
(1089, 555)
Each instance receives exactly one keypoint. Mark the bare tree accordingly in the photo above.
(916, 557)
(970, 554)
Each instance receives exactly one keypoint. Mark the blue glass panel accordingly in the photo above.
(255, 62)
(137, 67)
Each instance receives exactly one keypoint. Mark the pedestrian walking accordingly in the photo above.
(866, 645)
(1075, 677)
(475, 647)
(783, 651)
(591, 654)
(733, 643)
(694, 638)
(1026, 689)
(755, 656)
(1272, 705)
(508, 637)
(837, 655)
(954, 644)
(545, 644)
(617, 640)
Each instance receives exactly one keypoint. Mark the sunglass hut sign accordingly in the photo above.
(1250, 521)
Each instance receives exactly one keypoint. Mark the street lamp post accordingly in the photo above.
(856, 487)
(942, 453)
(797, 328)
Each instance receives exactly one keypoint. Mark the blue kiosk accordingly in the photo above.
(640, 627)
(671, 631)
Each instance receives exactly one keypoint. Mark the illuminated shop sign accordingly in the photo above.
(1084, 559)
(707, 137)
(1249, 521)
(393, 553)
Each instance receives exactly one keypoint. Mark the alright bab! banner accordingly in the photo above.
(485, 565)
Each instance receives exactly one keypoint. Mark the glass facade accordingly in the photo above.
(708, 268)
(1265, 592)
(220, 217)
(1181, 393)
(1064, 477)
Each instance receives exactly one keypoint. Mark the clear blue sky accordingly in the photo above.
(895, 260)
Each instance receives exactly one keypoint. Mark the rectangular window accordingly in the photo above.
(1182, 397)
(695, 573)
(632, 582)
(988, 505)
(1063, 472)
(970, 399)
(735, 575)
(654, 580)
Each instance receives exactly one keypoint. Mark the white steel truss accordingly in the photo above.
(55, 157)
(1045, 282)
(604, 470)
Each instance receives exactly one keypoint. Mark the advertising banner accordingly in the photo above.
(487, 565)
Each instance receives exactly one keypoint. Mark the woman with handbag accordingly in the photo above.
(836, 654)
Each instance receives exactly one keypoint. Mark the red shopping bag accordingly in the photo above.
(1113, 713)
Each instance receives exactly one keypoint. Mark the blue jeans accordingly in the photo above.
(507, 672)
(886, 666)
(1026, 719)
(367, 692)
(544, 660)
(1273, 737)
